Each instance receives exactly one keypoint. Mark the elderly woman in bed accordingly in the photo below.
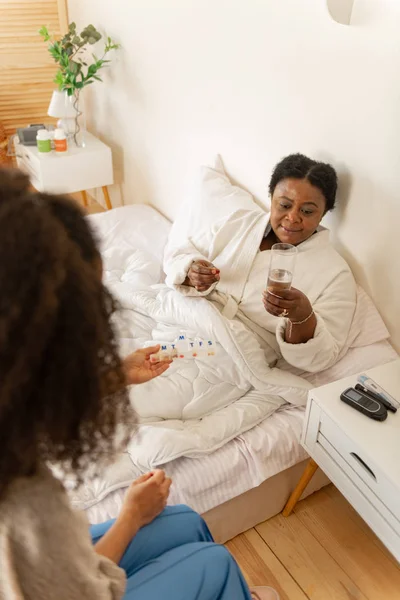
(307, 325)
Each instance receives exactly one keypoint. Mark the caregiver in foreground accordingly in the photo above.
(63, 401)
(226, 253)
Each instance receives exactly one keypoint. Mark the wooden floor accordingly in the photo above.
(324, 551)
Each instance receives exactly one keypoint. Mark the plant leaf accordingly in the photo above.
(74, 67)
(90, 32)
(64, 60)
(44, 33)
(59, 80)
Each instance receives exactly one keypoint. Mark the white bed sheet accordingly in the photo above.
(243, 463)
(237, 467)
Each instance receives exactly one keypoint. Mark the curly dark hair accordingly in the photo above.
(62, 385)
(319, 174)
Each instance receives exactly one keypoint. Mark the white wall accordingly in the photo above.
(255, 80)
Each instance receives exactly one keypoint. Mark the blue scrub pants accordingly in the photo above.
(175, 558)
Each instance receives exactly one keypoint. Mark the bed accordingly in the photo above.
(248, 479)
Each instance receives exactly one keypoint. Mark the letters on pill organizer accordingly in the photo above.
(185, 348)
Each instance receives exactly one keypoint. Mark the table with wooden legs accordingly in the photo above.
(72, 172)
(300, 487)
(106, 197)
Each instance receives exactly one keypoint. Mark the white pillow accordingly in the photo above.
(215, 191)
(367, 326)
(139, 226)
(356, 360)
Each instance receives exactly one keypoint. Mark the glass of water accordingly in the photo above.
(281, 268)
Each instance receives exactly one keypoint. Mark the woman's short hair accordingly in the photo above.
(62, 383)
(319, 174)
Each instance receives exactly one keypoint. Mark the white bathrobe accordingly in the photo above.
(226, 228)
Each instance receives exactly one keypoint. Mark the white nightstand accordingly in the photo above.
(78, 170)
(359, 455)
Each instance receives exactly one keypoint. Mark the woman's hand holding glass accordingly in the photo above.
(292, 304)
(295, 306)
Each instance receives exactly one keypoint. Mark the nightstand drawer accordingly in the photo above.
(29, 164)
(359, 466)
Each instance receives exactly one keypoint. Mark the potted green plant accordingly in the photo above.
(78, 68)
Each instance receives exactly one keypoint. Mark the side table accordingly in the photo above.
(359, 455)
(77, 170)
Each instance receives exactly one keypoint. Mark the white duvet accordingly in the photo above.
(200, 404)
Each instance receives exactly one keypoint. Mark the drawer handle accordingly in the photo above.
(363, 464)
